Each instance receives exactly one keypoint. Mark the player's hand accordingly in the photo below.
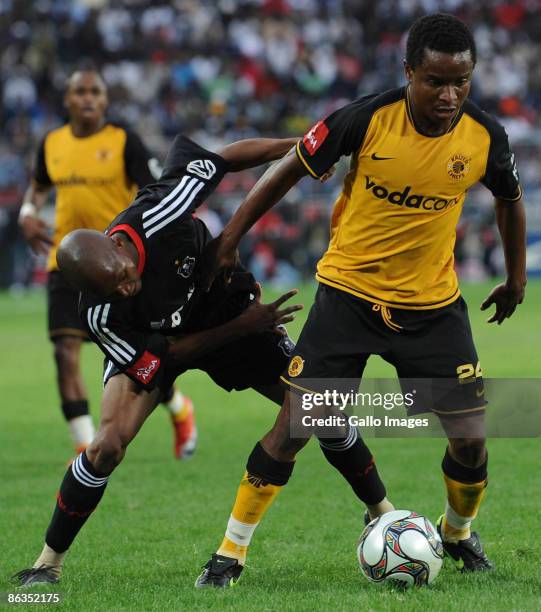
(260, 317)
(217, 259)
(506, 298)
(37, 233)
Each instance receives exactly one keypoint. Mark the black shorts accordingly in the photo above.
(433, 348)
(62, 308)
(254, 361)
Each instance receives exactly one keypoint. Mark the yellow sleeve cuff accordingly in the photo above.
(300, 156)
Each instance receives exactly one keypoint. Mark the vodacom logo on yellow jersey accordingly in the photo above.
(405, 197)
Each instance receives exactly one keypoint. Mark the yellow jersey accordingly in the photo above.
(95, 177)
(393, 224)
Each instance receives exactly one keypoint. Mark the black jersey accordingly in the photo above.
(169, 240)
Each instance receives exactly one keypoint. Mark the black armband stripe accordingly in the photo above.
(511, 200)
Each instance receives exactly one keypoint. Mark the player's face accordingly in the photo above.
(438, 88)
(127, 281)
(121, 279)
(86, 98)
(124, 281)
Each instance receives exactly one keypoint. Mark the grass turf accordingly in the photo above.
(160, 519)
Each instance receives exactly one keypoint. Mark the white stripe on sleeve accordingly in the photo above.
(179, 212)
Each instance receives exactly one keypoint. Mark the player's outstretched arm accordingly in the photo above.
(511, 221)
(271, 187)
(253, 152)
(35, 231)
(256, 318)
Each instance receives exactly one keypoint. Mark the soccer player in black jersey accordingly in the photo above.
(146, 309)
(95, 168)
(387, 280)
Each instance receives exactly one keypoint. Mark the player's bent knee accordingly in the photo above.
(469, 451)
(106, 452)
(280, 446)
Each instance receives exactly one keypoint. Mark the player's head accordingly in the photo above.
(104, 266)
(86, 97)
(440, 57)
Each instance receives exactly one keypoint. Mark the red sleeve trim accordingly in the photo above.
(315, 137)
(136, 239)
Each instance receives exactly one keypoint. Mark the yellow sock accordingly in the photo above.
(181, 415)
(463, 501)
(253, 499)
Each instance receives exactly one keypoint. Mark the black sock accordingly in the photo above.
(353, 459)
(80, 492)
(72, 410)
(262, 466)
(168, 396)
(462, 473)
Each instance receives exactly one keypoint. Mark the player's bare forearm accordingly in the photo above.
(507, 296)
(35, 230)
(511, 220)
(194, 346)
(256, 318)
(37, 194)
(255, 151)
(221, 253)
(267, 192)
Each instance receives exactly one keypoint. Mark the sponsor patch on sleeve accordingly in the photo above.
(315, 137)
(145, 367)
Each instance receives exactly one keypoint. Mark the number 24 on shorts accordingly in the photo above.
(468, 372)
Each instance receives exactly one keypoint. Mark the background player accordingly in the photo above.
(148, 312)
(96, 168)
(388, 274)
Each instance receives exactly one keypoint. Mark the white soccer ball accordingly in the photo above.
(401, 546)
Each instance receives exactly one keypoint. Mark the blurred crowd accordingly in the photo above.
(220, 70)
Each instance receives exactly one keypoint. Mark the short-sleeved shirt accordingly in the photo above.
(132, 333)
(393, 224)
(95, 177)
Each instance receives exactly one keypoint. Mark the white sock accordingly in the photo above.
(82, 430)
(240, 533)
(51, 558)
(456, 527)
(380, 508)
(176, 403)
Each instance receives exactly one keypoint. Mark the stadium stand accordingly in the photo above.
(227, 69)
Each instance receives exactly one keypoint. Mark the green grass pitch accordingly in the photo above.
(160, 519)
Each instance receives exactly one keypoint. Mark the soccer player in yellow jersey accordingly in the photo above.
(387, 280)
(96, 168)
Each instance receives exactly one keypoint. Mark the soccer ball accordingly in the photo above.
(401, 546)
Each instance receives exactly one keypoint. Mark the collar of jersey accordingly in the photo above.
(455, 120)
(135, 238)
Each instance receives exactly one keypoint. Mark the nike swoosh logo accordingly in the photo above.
(377, 158)
(480, 393)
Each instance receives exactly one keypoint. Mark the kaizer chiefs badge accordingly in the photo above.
(458, 166)
(295, 366)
